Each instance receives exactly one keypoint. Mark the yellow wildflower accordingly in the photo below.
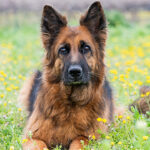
(2, 79)
(113, 71)
(120, 117)
(5, 104)
(130, 62)
(19, 109)
(148, 81)
(122, 76)
(11, 148)
(10, 78)
(20, 76)
(142, 95)
(148, 77)
(128, 70)
(7, 45)
(23, 78)
(134, 93)
(104, 120)
(139, 82)
(122, 79)
(15, 87)
(3, 74)
(119, 143)
(112, 143)
(107, 137)
(128, 117)
(124, 121)
(114, 78)
(130, 85)
(117, 64)
(21, 118)
(8, 89)
(1, 95)
(5, 83)
(24, 141)
(93, 137)
(147, 94)
(145, 138)
(99, 119)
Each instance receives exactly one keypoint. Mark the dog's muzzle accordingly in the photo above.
(75, 74)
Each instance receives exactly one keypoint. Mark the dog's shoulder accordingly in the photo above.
(28, 92)
(108, 94)
(35, 88)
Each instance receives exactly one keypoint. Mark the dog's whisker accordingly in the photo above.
(94, 74)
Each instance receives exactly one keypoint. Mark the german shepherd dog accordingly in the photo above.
(65, 99)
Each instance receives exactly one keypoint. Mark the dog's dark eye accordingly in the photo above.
(64, 50)
(85, 49)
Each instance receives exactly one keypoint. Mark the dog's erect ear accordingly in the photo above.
(51, 24)
(94, 19)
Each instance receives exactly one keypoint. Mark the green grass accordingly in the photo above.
(128, 67)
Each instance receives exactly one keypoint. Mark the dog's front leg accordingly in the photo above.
(34, 144)
(76, 143)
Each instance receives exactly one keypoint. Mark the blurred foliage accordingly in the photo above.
(116, 18)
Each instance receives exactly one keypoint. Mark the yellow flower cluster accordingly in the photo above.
(146, 94)
(3, 74)
(7, 45)
(101, 120)
(120, 117)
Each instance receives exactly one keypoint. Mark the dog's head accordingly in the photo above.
(74, 55)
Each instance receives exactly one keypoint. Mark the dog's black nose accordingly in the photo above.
(75, 71)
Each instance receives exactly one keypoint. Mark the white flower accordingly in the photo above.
(140, 124)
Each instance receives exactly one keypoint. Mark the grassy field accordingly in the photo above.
(128, 67)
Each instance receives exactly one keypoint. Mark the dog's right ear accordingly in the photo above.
(94, 19)
(51, 24)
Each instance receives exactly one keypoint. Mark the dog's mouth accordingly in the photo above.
(75, 83)
(84, 80)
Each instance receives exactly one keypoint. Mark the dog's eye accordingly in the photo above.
(64, 50)
(85, 49)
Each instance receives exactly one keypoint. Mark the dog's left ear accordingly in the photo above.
(94, 19)
(51, 24)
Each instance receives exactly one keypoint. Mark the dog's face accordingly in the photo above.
(75, 55)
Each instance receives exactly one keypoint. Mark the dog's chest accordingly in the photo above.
(66, 126)
(80, 119)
